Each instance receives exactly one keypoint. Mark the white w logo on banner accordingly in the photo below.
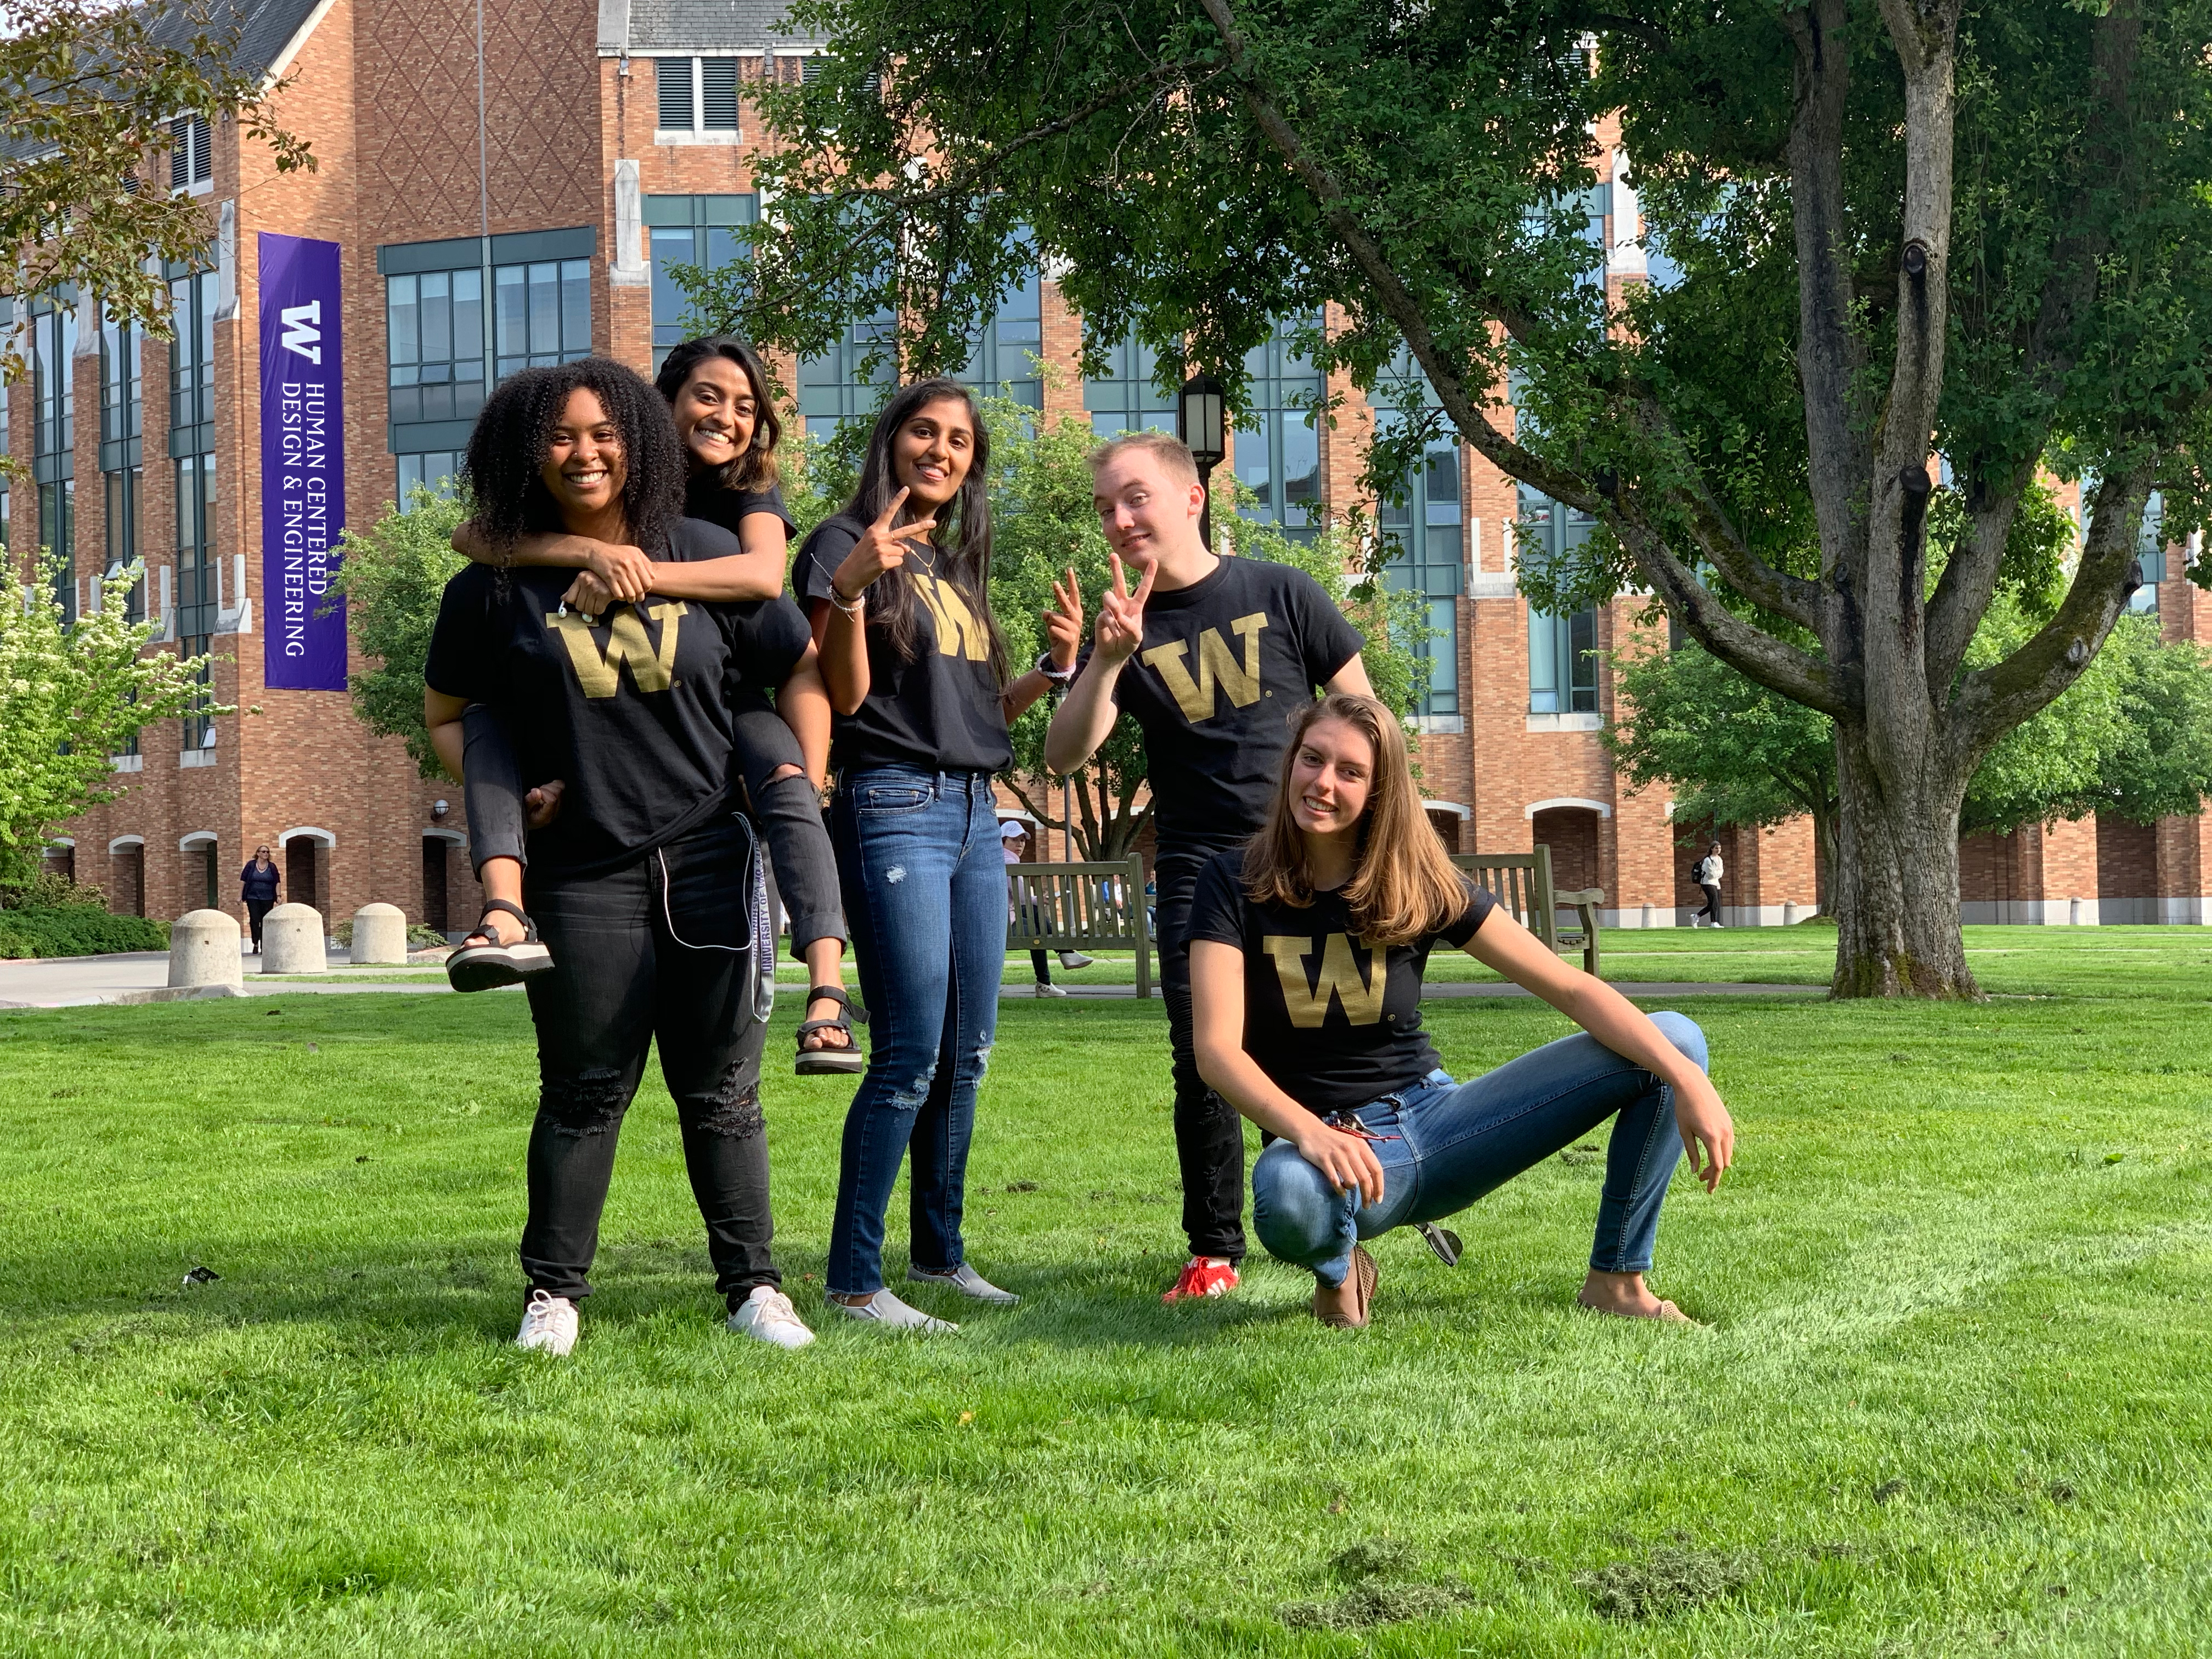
(302, 329)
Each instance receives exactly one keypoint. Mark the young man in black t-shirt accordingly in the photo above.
(1214, 657)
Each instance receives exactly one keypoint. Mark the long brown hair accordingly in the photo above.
(1403, 884)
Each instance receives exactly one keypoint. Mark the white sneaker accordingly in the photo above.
(1052, 990)
(969, 1283)
(549, 1325)
(1075, 961)
(885, 1308)
(768, 1316)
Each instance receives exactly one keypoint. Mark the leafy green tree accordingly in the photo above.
(1883, 229)
(2131, 737)
(392, 575)
(87, 90)
(71, 695)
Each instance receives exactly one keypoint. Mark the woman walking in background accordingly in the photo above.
(898, 586)
(1706, 872)
(257, 885)
(1308, 948)
(643, 883)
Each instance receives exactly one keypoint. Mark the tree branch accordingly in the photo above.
(1991, 700)
(1969, 581)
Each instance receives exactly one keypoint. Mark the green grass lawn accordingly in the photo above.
(1951, 1398)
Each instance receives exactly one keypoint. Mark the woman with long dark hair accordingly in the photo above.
(898, 589)
(1308, 948)
(718, 393)
(643, 885)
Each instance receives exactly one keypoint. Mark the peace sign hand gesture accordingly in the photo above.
(1121, 614)
(1063, 622)
(882, 547)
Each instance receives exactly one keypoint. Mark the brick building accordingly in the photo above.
(522, 201)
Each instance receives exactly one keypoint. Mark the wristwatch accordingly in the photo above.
(1062, 677)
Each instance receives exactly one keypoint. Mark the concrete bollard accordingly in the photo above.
(292, 941)
(1790, 913)
(1650, 915)
(203, 950)
(380, 934)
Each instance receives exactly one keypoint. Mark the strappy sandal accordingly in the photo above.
(1362, 1279)
(484, 967)
(825, 1062)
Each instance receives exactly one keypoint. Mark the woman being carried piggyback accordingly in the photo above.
(1307, 954)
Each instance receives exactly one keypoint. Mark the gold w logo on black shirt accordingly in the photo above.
(1340, 978)
(1215, 665)
(600, 672)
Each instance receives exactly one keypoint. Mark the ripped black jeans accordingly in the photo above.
(657, 951)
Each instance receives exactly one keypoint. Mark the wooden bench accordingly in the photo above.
(1522, 883)
(1081, 907)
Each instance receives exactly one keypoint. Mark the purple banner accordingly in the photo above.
(302, 464)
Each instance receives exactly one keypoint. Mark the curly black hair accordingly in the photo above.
(756, 468)
(508, 446)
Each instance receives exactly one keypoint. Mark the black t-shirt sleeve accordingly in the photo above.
(819, 559)
(1217, 907)
(461, 643)
(1326, 639)
(1463, 926)
(769, 500)
(692, 541)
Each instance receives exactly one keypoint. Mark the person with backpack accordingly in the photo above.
(1706, 872)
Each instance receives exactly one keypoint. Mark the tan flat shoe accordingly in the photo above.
(1362, 1279)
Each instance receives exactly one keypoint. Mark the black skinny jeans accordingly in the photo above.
(789, 813)
(1209, 1131)
(661, 950)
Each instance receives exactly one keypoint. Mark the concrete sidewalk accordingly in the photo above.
(144, 976)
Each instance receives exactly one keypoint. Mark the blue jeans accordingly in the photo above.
(1444, 1145)
(925, 889)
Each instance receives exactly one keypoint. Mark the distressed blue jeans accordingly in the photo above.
(1442, 1145)
(925, 889)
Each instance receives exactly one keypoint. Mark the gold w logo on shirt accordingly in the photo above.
(600, 673)
(1215, 665)
(1340, 978)
(960, 631)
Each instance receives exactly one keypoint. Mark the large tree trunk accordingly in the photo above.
(1896, 897)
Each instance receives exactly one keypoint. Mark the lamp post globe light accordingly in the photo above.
(1201, 424)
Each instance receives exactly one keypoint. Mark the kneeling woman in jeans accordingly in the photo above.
(1307, 951)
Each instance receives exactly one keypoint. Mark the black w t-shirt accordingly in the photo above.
(1316, 1019)
(1225, 665)
(772, 633)
(631, 711)
(941, 710)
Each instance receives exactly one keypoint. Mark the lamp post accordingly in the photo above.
(1200, 424)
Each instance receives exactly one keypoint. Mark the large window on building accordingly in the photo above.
(840, 386)
(53, 435)
(1125, 398)
(1562, 650)
(1278, 448)
(192, 361)
(1429, 557)
(463, 314)
(696, 231)
(1003, 354)
(192, 153)
(122, 419)
(197, 596)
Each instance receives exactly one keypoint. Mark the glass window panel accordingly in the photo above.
(511, 316)
(575, 309)
(468, 323)
(1543, 663)
(1124, 398)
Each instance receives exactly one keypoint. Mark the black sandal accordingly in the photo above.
(825, 1062)
(482, 967)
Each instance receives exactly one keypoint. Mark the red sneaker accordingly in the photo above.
(1203, 1278)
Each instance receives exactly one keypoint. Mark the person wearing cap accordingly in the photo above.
(1022, 905)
